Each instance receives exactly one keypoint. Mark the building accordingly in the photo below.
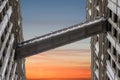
(10, 35)
(105, 47)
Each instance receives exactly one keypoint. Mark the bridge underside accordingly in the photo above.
(60, 38)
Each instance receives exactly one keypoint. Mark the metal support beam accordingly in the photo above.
(60, 38)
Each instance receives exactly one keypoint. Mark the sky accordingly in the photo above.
(44, 16)
(59, 65)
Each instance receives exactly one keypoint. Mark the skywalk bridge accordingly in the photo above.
(61, 37)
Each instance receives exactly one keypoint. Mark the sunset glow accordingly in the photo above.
(59, 64)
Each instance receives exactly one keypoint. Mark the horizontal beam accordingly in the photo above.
(60, 38)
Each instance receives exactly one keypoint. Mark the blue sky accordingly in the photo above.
(44, 16)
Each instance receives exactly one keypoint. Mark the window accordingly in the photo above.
(119, 38)
(96, 66)
(0, 44)
(97, 2)
(4, 12)
(119, 22)
(115, 18)
(0, 17)
(7, 6)
(4, 52)
(114, 52)
(0, 2)
(109, 58)
(110, 13)
(119, 73)
(119, 58)
(2, 38)
(6, 29)
(115, 33)
(95, 78)
(109, 28)
(113, 65)
(90, 5)
(97, 13)
(1, 62)
(97, 38)
(107, 78)
(109, 44)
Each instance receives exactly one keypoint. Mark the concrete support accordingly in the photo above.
(60, 38)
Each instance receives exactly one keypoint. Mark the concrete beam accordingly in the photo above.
(60, 38)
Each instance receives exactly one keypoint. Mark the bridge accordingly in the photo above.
(61, 37)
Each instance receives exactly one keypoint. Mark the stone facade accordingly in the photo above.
(105, 47)
(10, 35)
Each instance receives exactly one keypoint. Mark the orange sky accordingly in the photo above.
(59, 64)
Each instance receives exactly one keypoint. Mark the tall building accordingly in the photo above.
(105, 47)
(10, 35)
